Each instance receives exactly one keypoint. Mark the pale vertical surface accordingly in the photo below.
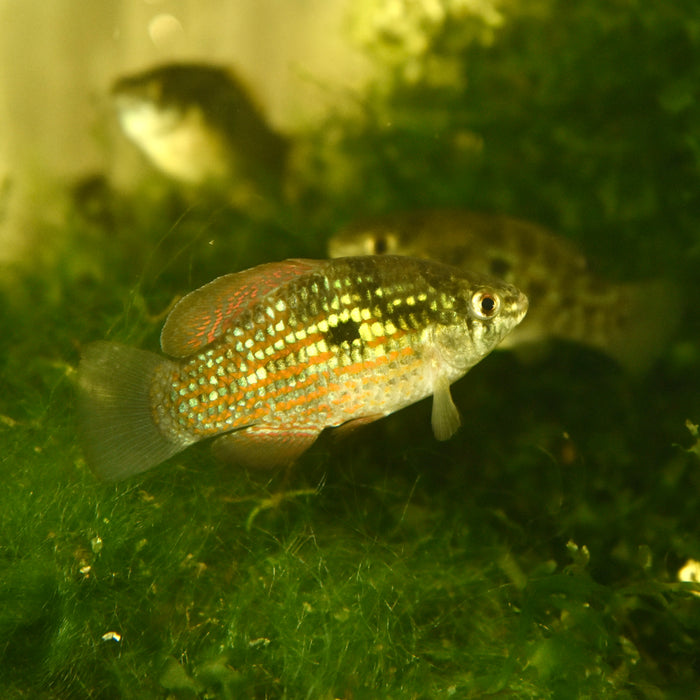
(51, 60)
(58, 59)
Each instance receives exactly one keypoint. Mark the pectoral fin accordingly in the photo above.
(262, 447)
(445, 417)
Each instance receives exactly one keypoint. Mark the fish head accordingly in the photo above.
(370, 238)
(485, 310)
(159, 112)
(171, 90)
(145, 105)
(143, 119)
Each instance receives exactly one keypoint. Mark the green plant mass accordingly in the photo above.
(549, 550)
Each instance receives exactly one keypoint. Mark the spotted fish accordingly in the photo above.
(265, 359)
(630, 322)
(196, 123)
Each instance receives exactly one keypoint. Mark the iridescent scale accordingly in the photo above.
(266, 358)
(319, 352)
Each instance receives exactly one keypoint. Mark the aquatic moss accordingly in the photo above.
(535, 555)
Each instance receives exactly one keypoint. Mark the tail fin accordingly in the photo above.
(651, 314)
(120, 436)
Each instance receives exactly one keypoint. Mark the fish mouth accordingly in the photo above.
(141, 119)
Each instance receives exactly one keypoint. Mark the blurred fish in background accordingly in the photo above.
(632, 323)
(197, 123)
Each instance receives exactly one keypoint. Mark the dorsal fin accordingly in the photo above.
(206, 313)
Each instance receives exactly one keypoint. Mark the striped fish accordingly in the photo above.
(263, 360)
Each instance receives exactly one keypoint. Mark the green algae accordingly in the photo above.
(533, 556)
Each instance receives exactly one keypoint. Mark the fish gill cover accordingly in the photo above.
(536, 555)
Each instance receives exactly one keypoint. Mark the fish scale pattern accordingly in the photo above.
(265, 359)
(318, 352)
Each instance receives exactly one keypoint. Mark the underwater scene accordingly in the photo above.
(243, 276)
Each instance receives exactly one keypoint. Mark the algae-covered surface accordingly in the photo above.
(535, 555)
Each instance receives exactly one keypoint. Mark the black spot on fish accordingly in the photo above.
(499, 267)
(344, 332)
(536, 291)
(381, 244)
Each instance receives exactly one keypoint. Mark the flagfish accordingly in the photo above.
(196, 123)
(265, 359)
(630, 322)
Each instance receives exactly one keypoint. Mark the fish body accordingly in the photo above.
(196, 123)
(630, 322)
(267, 358)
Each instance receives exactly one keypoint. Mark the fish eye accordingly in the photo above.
(485, 305)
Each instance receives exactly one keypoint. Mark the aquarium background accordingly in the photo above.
(540, 552)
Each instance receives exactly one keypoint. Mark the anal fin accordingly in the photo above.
(348, 428)
(264, 447)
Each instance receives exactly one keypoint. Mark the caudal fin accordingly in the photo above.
(120, 436)
(650, 314)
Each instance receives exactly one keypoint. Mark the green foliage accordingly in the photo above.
(582, 116)
(535, 555)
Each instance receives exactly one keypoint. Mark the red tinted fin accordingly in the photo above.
(262, 447)
(206, 313)
(348, 428)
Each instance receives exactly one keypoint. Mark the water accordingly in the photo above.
(385, 564)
